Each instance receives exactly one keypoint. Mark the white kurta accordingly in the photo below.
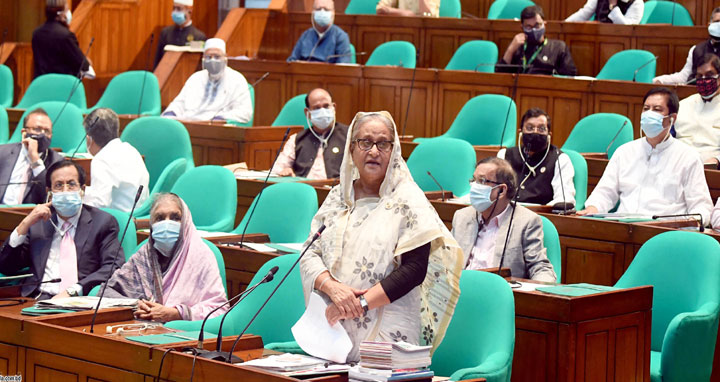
(633, 16)
(666, 180)
(203, 100)
(698, 125)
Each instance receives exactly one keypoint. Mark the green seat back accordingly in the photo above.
(220, 262)
(7, 86)
(507, 9)
(478, 55)
(130, 241)
(68, 130)
(683, 268)
(279, 315)
(666, 12)
(450, 8)
(595, 132)
(284, 211)
(160, 141)
(165, 182)
(249, 123)
(353, 54)
(210, 193)
(293, 113)
(4, 126)
(124, 91)
(480, 339)
(53, 87)
(393, 53)
(580, 181)
(453, 172)
(361, 7)
(551, 242)
(622, 66)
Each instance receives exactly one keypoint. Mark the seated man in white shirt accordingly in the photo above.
(117, 169)
(610, 11)
(481, 230)
(655, 174)
(216, 93)
(698, 121)
(317, 152)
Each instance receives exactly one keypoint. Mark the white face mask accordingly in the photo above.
(322, 118)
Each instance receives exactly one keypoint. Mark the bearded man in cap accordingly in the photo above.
(182, 32)
(215, 93)
(55, 47)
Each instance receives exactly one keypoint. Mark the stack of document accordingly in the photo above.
(393, 355)
(85, 303)
(286, 363)
(364, 374)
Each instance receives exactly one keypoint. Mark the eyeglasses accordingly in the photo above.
(714, 77)
(535, 27)
(483, 181)
(366, 145)
(38, 130)
(61, 186)
(542, 129)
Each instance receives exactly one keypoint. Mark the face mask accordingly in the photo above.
(67, 203)
(322, 17)
(651, 123)
(165, 234)
(714, 30)
(534, 142)
(68, 17)
(707, 87)
(535, 35)
(322, 118)
(214, 67)
(480, 196)
(178, 17)
(42, 140)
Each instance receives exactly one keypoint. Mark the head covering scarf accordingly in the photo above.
(191, 283)
(361, 246)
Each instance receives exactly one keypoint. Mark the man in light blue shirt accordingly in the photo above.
(324, 42)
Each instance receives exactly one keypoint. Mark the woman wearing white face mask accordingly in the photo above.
(175, 275)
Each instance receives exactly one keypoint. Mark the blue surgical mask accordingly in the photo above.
(651, 123)
(480, 196)
(322, 17)
(179, 17)
(67, 203)
(322, 118)
(714, 30)
(165, 234)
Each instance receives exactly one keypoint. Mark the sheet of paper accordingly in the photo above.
(252, 174)
(208, 234)
(529, 287)
(259, 247)
(315, 335)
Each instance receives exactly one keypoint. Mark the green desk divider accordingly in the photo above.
(33, 311)
(169, 338)
(574, 290)
(282, 248)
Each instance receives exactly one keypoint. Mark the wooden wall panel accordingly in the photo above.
(18, 57)
(592, 261)
(536, 341)
(8, 359)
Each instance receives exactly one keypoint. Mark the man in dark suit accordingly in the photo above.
(22, 167)
(55, 47)
(63, 239)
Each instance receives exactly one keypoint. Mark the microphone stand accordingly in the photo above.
(438, 184)
(147, 66)
(702, 226)
(642, 66)
(607, 150)
(412, 86)
(77, 84)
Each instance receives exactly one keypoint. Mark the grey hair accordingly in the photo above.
(161, 197)
(504, 174)
(374, 117)
(102, 125)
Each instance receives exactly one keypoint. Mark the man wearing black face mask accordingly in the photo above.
(22, 170)
(531, 52)
(548, 170)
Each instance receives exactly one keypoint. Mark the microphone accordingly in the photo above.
(147, 66)
(642, 66)
(412, 86)
(438, 184)
(507, 236)
(277, 155)
(607, 150)
(330, 57)
(218, 354)
(564, 203)
(112, 269)
(702, 226)
(52, 281)
(507, 115)
(17, 183)
(77, 84)
(83, 138)
(314, 238)
(261, 79)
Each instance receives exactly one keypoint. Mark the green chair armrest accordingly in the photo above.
(495, 367)
(211, 326)
(286, 347)
(225, 225)
(188, 326)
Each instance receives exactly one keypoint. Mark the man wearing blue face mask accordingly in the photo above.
(325, 41)
(317, 152)
(531, 52)
(484, 232)
(655, 174)
(63, 239)
(180, 34)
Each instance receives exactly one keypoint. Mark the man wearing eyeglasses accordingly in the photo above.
(485, 234)
(698, 120)
(545, 173)
(530, 52)
(22, 168)
(63, 239)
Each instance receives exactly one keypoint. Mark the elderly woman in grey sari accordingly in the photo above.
(386, 262)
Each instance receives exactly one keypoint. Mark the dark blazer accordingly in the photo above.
(56, 50)
(96, 243)
(36, 191)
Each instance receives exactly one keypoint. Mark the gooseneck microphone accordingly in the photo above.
(412, 86)
(147, 66)
(642, 66)
(83, 138)
(607, 150)
(51, 281)
(700, 218)
(77, 84)
(18, 183)
(314, 238)
(510, 104)
(330, 57)
(112, 268)
(438, 184)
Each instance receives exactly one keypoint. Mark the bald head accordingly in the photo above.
(318, 98)
(328, 5)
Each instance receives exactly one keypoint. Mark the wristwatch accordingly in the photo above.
(364, 304)
(72, 291)
(36, 164)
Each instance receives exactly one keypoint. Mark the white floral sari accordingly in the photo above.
(363, 243)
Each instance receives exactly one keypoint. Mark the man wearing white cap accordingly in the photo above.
(214, 93)
(182, 33)
(55, 47)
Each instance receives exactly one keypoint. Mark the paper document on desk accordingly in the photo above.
(315, 335)
(85, 303)
(250, 174)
